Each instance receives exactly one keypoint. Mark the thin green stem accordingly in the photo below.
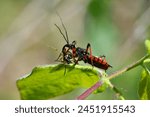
(137, 63)
(118, 93)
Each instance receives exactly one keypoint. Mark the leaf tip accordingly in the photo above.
(147, 45)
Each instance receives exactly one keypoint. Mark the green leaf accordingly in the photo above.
(146, 61)
(146, 65)
(49, 81)
(147, 44)
(144, 86)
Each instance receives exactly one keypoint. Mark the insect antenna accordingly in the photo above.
(64, 28)
(66, 33)
(62, 33)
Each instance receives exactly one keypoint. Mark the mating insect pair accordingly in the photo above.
(72, 54)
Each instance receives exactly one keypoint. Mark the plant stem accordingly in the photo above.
(113, 75)
(118, 93)
(135, 64)
(89, 91)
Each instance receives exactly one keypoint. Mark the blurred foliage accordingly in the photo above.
(99, 27)
(147, 44)
(9, 10)
(144, 86)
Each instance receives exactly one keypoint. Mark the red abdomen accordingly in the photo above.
(98, 62)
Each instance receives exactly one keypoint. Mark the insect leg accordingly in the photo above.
(58, 59)
(89, 48)
(102, 56)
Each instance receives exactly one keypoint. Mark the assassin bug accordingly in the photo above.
(72, 54)
(87, 57)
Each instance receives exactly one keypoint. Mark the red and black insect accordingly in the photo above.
(72, 54)
(87, 57)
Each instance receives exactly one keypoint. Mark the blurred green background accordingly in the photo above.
(28, 38)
